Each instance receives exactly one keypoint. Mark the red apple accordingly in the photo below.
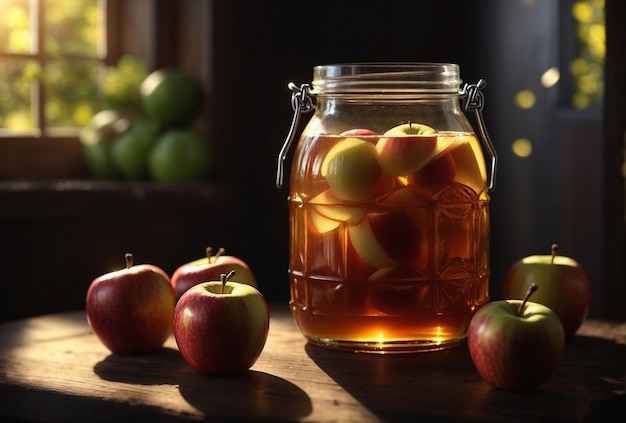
(131, 310)
(404, 149)
(221, 327)
(565, 286)
(353, 173)
(395, 233)
(434, 175)
(515, 345)
(210, 268)
(359, 132)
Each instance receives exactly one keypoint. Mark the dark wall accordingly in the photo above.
(257, 53)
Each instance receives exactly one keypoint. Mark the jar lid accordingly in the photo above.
(386, 78)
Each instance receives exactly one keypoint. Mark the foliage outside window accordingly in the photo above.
(588, 65)
(52, 55)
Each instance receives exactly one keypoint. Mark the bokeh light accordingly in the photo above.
(522, 147)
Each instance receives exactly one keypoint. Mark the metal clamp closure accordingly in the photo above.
(473, 100)
(301, 102)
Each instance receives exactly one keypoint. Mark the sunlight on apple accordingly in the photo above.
(560, 260)
(187, 317)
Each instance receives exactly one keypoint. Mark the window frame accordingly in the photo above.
(54, 154)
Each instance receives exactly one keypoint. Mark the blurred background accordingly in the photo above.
(554, 103)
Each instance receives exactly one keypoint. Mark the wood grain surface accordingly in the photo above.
(53, 368)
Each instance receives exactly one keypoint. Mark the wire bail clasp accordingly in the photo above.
(473, 100)
(301, 102)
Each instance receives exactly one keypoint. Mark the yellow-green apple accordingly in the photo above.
(404, 149)
(396, 289)
(209, 268)
(470, 165)
(221, 327)
(515, 345)
(564, 286)
(328, 212)
(131, 309)
(103, 131)
(394, 233)
(353, 173)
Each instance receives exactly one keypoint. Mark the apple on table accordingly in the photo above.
(516, 345)
(209, 268)
(564, 283)
(130, 310)
(221, 327)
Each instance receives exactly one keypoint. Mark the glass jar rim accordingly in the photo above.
(386, 78)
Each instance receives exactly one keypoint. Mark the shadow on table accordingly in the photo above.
(251, 395)
(589, 385)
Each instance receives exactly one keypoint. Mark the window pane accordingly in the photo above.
(588, 65)
(72, 95)
(16, 26)
(74, 27)
(17, 88)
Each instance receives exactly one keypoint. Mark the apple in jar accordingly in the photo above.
(516, 345)
(395, 290)
(328, 212)
(564, 286)
(395, 232)
(353, 173)
(221, 327)
(404, 149)
(434, 175)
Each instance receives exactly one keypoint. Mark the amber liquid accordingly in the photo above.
(413, 280)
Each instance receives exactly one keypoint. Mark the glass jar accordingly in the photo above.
(389, 207)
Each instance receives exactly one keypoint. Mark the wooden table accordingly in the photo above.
(54, 369)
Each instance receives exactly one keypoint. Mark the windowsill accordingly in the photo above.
(28, 199)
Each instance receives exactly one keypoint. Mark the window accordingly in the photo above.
(587, 67)
(52, 55)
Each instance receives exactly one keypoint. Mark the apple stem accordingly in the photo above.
(209, 252)
(531, 289)
(129, 260)
(554, 247)
(225, 277)
(218, 254)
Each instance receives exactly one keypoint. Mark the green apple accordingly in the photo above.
(353, 173)
(405, 148)
(120, 85)
(130, 152)
(97, 138)
(564, 283)
(180, 155)
(171, 96)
